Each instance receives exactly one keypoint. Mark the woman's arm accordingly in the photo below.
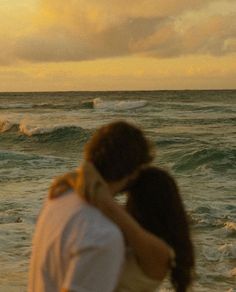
(153, 254)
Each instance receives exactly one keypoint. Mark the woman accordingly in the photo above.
(154, 201)
(155, 204)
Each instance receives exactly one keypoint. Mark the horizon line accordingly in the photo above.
(119, 90)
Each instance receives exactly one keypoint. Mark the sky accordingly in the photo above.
(57, 45)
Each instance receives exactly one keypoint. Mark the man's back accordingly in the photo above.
(75, 247)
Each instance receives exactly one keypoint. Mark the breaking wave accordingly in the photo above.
(18, 133)
(99, 103)
(96, 103)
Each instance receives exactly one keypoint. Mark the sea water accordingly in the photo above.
(42, 135)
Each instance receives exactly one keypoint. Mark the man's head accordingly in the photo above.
(118, 150)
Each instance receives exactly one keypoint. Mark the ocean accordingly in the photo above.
(42, 135)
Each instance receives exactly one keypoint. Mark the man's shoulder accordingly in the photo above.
(90, 228)
(98, 224)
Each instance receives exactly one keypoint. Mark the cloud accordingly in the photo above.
(211, 36)
(7, 56)
(15, 19)
(90, 29)
(215, 35)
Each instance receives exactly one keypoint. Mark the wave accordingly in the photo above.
(206, 217)
(6, 125)
(168, 141)
(99, 103)
(96, 103)
(225, 251)
(211, 255)
(87, 104)
(35, 106)
(12, 159)
(47, 105)
(73, 135)
(57, 138)
(230, 228)
(16, 106)
(232, 273)
(20, 167)
(28, 129)
(228, 250)
(216, 159)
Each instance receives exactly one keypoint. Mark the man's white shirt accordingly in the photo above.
(75, 247)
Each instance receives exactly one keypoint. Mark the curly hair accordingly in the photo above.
(117, 149)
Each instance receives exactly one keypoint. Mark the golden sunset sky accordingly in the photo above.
(49, 45)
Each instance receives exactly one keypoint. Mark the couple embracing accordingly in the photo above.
(85, 242)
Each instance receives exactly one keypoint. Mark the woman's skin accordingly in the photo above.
(152, 253)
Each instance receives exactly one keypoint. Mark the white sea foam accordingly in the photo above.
(230, 228)
(7, 121)
(30, 130)
(232, 273)
(5, 125)
(33, 124)
(228, 250)
(99, 103)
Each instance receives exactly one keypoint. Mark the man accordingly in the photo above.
(75, 247)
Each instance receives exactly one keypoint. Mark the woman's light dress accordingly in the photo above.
(133, 279)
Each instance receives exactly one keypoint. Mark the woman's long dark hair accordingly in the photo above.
(155, 202)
